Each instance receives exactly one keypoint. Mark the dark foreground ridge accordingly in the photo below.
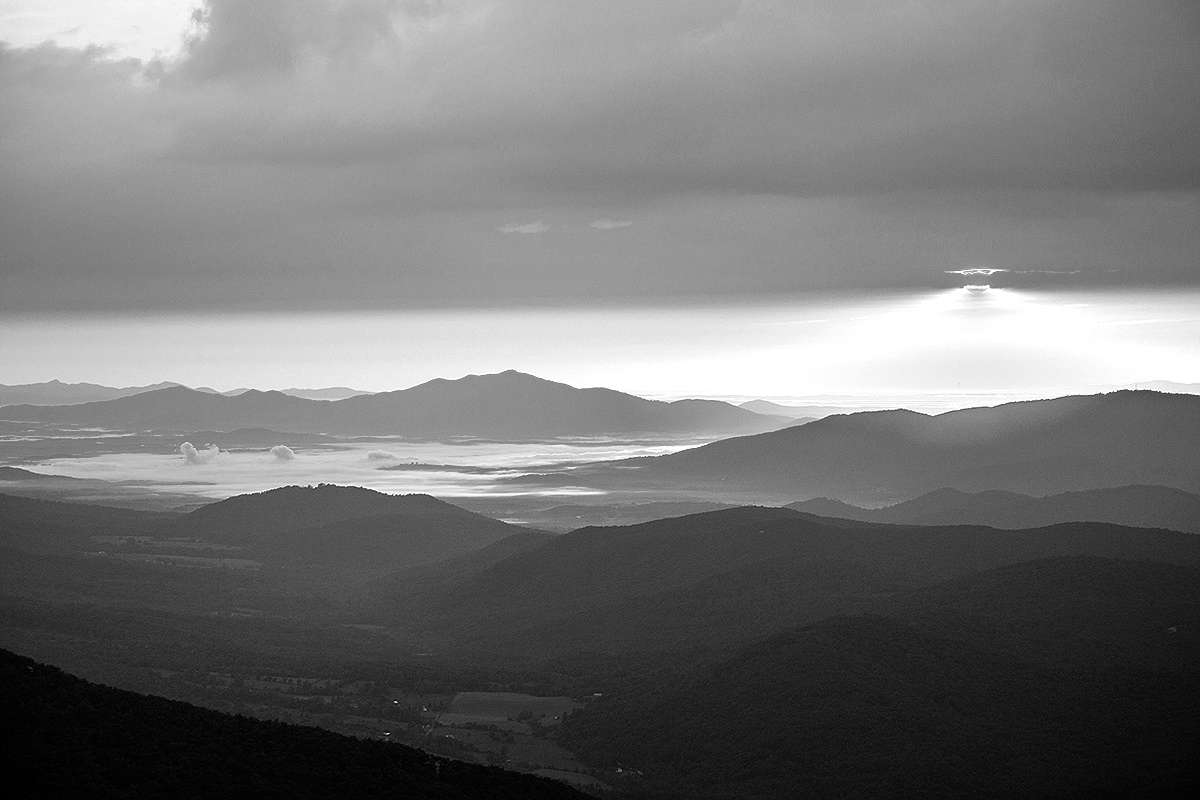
(67, 737)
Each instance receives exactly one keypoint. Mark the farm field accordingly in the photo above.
(514, 749)
(198, 562)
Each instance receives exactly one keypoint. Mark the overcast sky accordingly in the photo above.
(308, 154)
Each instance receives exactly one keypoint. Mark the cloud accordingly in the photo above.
(292, 135)
(528, 227)
(608, 224)
(193, 456)
(283, 452)
(1049, 271)
(976, 271)
(381, 455)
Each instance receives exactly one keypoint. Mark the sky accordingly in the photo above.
(313, 162)
(977, 348)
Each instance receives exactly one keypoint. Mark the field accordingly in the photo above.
(198, 562)
(514, 749)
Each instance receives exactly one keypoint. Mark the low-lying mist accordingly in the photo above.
(444, 469)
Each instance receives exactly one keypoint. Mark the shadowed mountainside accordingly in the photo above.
(1037, 447)
(505, 405)
(46, 526)
(70, 738)
(1136, 506)
(719, 577)
(1058, 677)
(984, 662)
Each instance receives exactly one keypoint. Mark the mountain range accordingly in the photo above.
(1138, 506)
(507, 405)
(57, 393)
(1037, 447)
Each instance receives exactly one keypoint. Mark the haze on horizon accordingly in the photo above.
(974, 348)
(711, 197)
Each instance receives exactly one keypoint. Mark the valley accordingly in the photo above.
(651, 636)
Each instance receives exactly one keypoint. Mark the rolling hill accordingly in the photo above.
(323, 534)
(1137, 506)
(341, 533)
(250, 519)
(719, 578)
(507, 405)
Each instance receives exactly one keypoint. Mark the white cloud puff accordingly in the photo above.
(382, 455)
(283, 452)
(609, 224)
(193, 456)
(528, 227)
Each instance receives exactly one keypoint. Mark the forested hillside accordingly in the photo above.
(66, 737)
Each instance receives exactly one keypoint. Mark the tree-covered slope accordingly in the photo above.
(65, 737)
(1023, 681)
(721, 577)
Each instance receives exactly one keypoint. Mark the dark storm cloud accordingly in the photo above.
(295, 144)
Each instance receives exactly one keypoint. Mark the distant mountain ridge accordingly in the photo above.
(1035, 447)
(504, 405)
(807, 412)
(1138, 506)
(55, 392)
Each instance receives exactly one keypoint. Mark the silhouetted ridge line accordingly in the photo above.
(1035, 447)
(506, 405)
